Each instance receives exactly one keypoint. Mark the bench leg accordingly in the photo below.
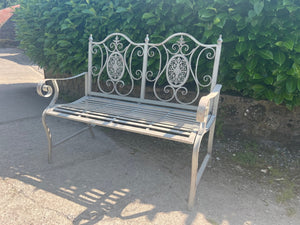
(211, 139)
(195, 173)
(49, 137)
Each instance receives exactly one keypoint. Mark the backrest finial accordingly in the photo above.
(220, 40)
(147, 39)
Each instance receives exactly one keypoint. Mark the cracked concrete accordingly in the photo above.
(114, 178)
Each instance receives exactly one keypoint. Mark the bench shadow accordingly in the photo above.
(119, 188)
(119, 175)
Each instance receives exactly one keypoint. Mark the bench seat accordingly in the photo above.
(158, 121)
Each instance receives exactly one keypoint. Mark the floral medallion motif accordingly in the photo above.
(177, 71)
(115, 66)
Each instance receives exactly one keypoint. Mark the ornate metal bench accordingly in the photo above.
(147, 88)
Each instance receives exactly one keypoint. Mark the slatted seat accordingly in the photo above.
(120, 71)
(176, 124)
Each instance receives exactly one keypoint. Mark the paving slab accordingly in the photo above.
(114, 178)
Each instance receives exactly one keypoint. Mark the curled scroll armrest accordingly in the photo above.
(204, 104)
(46, 90)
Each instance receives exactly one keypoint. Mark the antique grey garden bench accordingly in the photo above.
(147, 88)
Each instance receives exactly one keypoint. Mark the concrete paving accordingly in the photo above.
(115, 178)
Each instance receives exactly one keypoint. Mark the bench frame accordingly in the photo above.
(205, 113)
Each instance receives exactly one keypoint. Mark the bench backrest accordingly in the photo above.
(170, 73)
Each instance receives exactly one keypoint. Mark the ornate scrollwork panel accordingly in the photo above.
(177, 68)
(116, 65)
(180, 70)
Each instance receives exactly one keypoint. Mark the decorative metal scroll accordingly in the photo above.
(176, 68)
(113, 64)
(179, 68)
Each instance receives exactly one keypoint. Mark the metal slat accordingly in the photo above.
(129, 123)
(146, 101)
(153, 115)
(107, 123)
(162, 108)
(141, 112)
(146, 117)
(174, 127)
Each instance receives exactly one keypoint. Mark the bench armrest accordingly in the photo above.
(208, 105)
(45, 90)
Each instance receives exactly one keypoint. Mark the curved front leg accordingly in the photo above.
(49, 137)
(195, 173)
(45, 90)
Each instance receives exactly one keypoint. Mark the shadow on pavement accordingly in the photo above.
(108, 180)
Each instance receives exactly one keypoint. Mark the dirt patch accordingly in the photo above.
(261, 120)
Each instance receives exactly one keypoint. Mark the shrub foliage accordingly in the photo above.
(261, 51)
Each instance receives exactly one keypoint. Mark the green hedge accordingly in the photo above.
(261, 51)
(7, 3)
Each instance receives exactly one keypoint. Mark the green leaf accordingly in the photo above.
(241, 38)
(258, 88)
(208, 33)
(261, 42)
(258, 7)
(93, 11)
(64, 26)
(180, 1)
(268, 80)
(269, 94)
(236, 65)
(290, 85)
(63, 43)
(289, 97)
(251, 14)
(239, 77)
(281, 77)
(147, 15)
(213, 9)
(279, 58)
(241, 47)
(278, 99)
(251, 36)
(296, 70)
(217, 20)
(266, 54)
(121, 9)
(298, 84)
(89, 11)
(289, 44)
(152, 21)
(297, 48)
(257, 76)
(237, 17)
(205, 14)
(251, 64)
